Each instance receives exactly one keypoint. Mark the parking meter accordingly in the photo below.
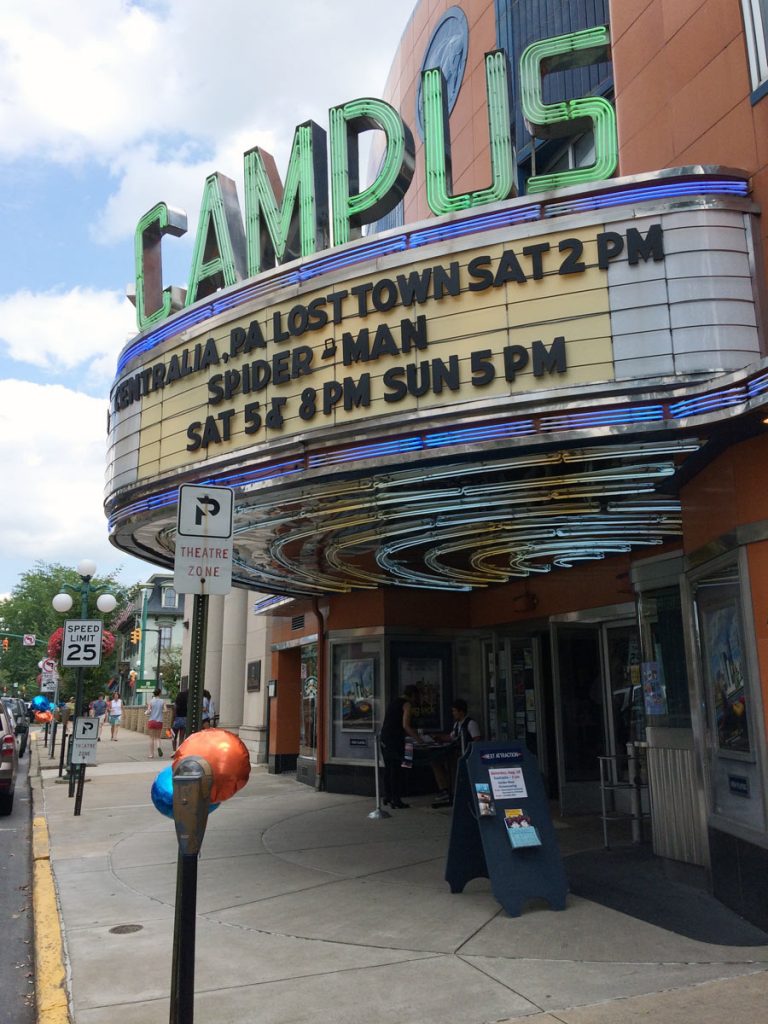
(192, 781)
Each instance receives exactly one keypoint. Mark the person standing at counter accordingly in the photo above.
(463, 732)
(396, 726)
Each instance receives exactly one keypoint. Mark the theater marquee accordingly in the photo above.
(478, 322)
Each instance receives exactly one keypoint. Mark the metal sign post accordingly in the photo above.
(84, 738)
(202, 566)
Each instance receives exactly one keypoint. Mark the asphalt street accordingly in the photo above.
(16, 967)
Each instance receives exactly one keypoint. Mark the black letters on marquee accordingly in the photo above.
(258, 367)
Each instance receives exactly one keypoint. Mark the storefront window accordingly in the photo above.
(308, 724)
(665, 698)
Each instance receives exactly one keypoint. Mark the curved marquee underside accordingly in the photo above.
(450, 526)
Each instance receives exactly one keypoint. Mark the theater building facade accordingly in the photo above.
(494, 416)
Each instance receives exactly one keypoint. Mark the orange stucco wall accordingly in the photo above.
(731, 491)
(683, 89)
(591, 585)
(286, 704)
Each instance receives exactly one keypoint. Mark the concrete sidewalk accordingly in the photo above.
(309, 911)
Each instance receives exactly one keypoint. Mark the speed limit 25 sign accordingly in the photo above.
(81, 644)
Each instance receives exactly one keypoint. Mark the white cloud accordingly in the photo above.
(89, 79)
(60, 331)
(52, 465)
(149, 97)
(146, 179)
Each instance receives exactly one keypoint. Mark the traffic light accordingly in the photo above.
(135, 636)
(6, 642)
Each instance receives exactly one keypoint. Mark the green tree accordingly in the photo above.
(29, 610)
(170, 669)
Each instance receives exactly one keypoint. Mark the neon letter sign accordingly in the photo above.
(285, 222)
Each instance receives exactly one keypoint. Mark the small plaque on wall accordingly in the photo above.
(253, 677)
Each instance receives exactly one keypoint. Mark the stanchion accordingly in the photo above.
(54, 727)
(63, 752)
(378, 812)
(45, 733)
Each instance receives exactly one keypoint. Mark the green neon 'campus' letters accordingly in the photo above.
(551, 120)
(218, 259)
(283, 223)
(153, 302)
(437, 145)
(352, 209)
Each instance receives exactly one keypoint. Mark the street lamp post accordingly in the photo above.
(62, 602)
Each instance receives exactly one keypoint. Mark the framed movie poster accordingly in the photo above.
(253, 677)
(724, 665)
(357, 692)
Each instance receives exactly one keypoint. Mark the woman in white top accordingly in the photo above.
(115, 714)
(154, 714)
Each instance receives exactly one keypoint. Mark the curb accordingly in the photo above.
(50, 975)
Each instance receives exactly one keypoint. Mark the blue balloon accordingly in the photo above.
(162, 793)
(41, 703)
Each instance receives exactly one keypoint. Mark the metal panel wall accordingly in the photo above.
(678, 832)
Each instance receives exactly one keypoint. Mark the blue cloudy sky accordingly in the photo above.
(107, 107)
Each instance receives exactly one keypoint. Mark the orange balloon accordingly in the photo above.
(226, 754)
(43, 716)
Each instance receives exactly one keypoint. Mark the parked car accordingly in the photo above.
(9, 760)
(19, 711)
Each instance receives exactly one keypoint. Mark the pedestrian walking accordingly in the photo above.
(99, 708)
(179, 726)
(154, 713)
(115, 714)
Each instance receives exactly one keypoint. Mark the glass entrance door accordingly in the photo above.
(511, 686)
(597, 690)
(580, 727)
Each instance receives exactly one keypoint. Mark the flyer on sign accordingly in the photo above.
(520, 828)
(485, 805)
(507, 783)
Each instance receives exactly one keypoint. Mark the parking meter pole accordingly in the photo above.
(71, 768)
(197, 662)
(80, 768)
(192, 781)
